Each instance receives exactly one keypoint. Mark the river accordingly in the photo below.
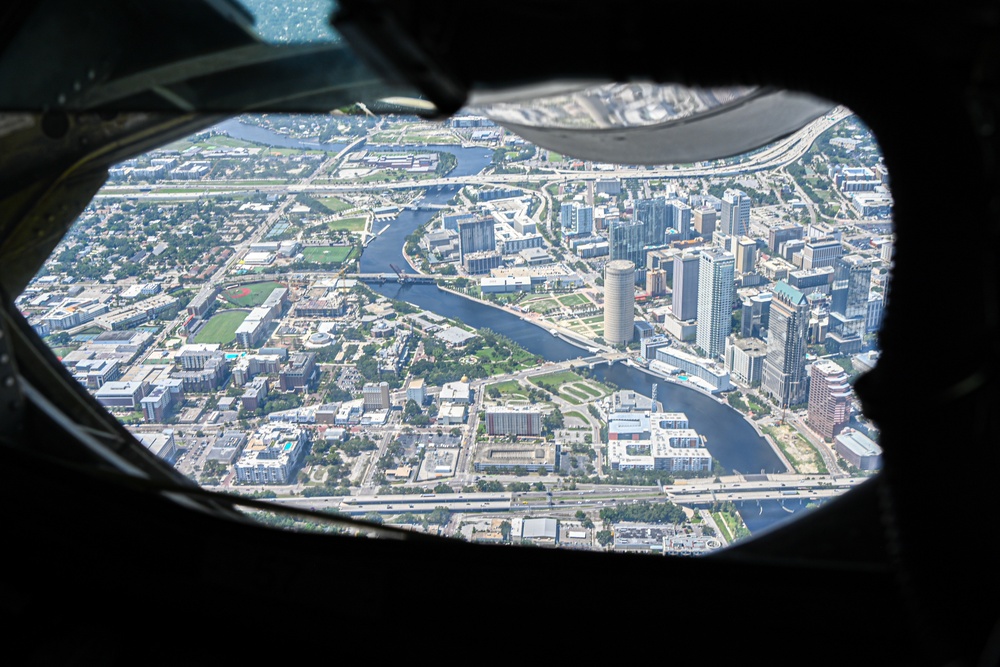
(729, 437)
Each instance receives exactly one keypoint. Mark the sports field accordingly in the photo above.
(348, 224)
(327, 254)
(250, 295)
(221, 328)
(335, 204)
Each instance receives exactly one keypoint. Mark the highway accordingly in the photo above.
(774, 156)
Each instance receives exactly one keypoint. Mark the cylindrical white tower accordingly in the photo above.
(619, 302)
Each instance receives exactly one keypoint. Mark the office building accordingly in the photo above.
(704, 219)
(272, 454)
(735, 216)
(851, 286)
(655, 216)
(685, 303)
(746, 254)
(656, 282)
(785, 379)
(376, 396)
(416, 391)
(821, 252)
(716, 276)
(619, 302)
(754, 315)
(779, 234)
(745, 359)
(858, 449)
(829, 398)
(627, 241)
(680, 219)
(812, 281)
(791, 251)
(876, 309)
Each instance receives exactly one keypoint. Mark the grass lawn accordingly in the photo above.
(723, 525)
(508, 387)
(327, 254)
(588, 389)
(335, 204)
(348, 224)
(250, 295)
(488, 354)
(575, 415)
(594, 320)
(541, 305)
(572, 300)
(571, 391)
(221, 328)
(555, 157)
(553, 381)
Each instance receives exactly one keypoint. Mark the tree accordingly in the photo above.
(489, 486)
(505, 528)
(605, 537)
(439, 516)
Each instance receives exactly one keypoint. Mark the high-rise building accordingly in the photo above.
(716, 284)
(475, 236)
(851, 286)
(576, 220)
(876, 309)
(656, 282)
(627, 241)
(619, 302)
(829, 398)
(685, 286)
(704, 218)
(848, 319)
(376, 396)
(785, 377)
(746, 254)
(681, 219)
(745, 359)
(735, 218)
(416, 390)
(755, 316)
(654, 214)
(821, 252)
(779, 234)
(525, 421)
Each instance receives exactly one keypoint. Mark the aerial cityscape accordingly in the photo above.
(442, 327)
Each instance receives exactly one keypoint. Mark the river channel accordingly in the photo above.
(729, 437)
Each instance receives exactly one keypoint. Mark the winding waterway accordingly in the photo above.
(729, 437)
